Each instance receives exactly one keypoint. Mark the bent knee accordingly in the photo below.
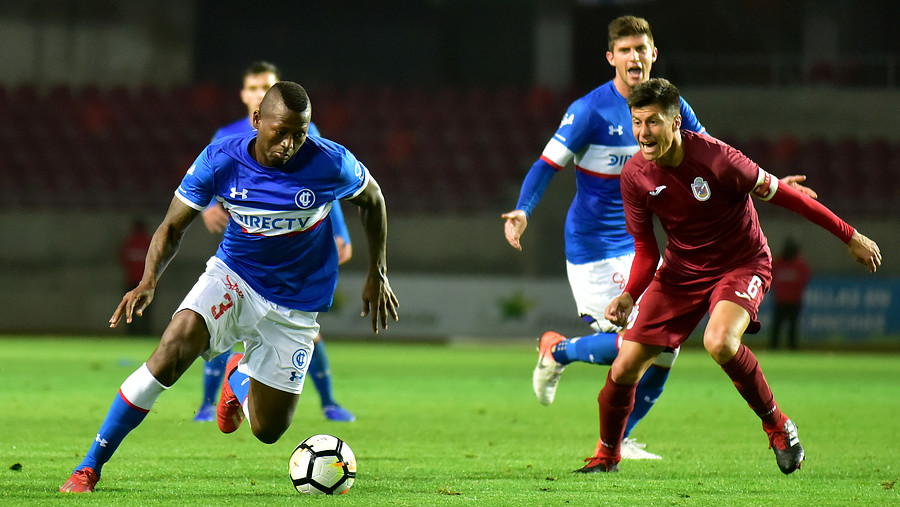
(269, 435)
(721, 345)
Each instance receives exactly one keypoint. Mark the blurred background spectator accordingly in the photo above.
(790, 274)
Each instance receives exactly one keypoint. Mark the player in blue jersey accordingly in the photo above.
(595, 134)
(258, 78)
(274, 270)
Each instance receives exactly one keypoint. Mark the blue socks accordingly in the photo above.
(213, 372)
(646, 394)
(120, 420)
(599, 348)
(320, 374)
(132, 403)
(240, 385)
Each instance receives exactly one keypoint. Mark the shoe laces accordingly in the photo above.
(84, 476)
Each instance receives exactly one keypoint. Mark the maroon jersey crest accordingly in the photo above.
(700, 188)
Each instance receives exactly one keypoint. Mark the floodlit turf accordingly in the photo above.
(455, 425)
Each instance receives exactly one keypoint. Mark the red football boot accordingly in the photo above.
(82, 481)
(229, 413)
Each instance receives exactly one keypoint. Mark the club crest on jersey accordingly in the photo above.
(305, 198)
(700, 188)
(300, 357)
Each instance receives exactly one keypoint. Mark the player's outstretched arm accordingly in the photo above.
(163, 248)
(865, 251)
(377, 296)
(536, 182)
(516, 223)
(861, 248)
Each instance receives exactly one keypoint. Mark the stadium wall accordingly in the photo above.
(455, 276)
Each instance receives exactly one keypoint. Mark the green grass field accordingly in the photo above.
(455, 425)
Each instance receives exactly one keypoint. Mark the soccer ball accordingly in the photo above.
(322, 464)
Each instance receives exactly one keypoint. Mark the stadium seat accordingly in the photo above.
(433, 148)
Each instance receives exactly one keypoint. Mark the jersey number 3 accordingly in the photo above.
(223, 307)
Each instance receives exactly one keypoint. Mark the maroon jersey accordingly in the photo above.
(703, 205)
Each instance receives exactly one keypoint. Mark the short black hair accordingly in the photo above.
(261, 66)
(291, 94)
(657, 91)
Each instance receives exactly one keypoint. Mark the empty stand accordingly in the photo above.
(432, 149)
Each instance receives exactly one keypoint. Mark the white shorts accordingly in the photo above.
(278, 341)
(595, 285)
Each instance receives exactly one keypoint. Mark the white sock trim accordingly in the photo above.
(141, 388)
(245, 407)
(666, 359)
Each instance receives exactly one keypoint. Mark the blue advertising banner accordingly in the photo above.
(846, 308)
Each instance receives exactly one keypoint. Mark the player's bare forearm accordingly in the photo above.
(378, 298)
(167, 240)
(373, 213)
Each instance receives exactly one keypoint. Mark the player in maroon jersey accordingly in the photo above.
(717, 260)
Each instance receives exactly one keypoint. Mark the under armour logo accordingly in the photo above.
(100, 440)
(296, 376)
(616, 130)
(235, 193)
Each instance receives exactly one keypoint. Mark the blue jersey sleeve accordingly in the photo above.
(536, 182)
(575, 128)
(337, 222)
(313, 130)
(689, 119)
(197, 188)
(353, 178)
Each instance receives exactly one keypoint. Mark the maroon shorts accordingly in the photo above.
(668, 312)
